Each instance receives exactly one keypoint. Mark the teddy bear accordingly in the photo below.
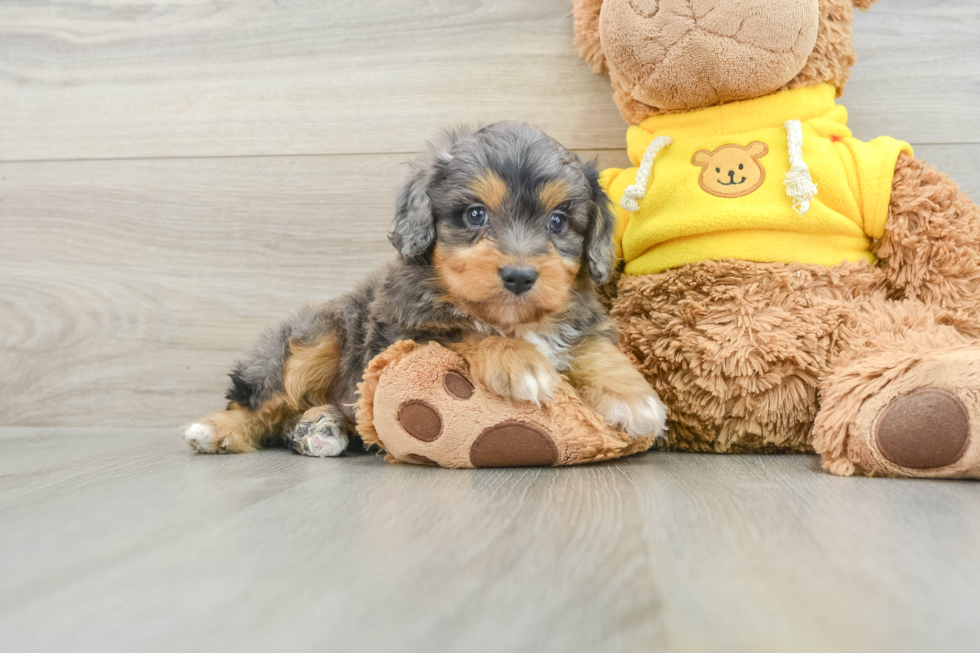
(784, 286)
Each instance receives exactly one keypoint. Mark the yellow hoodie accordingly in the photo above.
(716, 185)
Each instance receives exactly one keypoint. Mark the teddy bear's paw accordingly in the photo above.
(641, 416)
(431, 407)
(321, 435)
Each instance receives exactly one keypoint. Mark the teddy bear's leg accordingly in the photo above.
(906, 401)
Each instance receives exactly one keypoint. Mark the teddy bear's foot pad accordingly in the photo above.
(926, 429)
(513, 444)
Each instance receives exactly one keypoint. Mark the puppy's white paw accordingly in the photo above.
(644, 416)
(536, 385)
(324, 438)
(201, 437)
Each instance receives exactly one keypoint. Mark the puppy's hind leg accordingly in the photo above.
(321, 432)
(238, 429)
(291, 370)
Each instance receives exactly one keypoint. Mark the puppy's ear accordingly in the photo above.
(864, 5)
(414, 228)
(599, 252)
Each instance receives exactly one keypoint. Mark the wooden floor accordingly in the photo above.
(176, 175)
(123, 540)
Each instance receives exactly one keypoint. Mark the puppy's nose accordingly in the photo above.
(518, 280)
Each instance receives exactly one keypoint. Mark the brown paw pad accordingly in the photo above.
(457, 385)
(513, 444)
(421, 420)
(926, 429)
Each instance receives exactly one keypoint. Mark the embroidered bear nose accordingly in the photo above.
(518, 280)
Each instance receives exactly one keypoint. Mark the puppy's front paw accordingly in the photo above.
(519, 371)
(644, 415)
(536, 384)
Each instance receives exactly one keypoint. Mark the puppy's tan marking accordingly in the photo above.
(471, 276)
(310, 371)
(553, 193)
(491, 189)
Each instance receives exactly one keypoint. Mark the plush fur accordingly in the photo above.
(767, 357)
(503, 236)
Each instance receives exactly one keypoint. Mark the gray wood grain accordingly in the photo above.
(123, 539)
(87, 79)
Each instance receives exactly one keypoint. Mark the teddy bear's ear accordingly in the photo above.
(864, 5)
(757, 149)
(586, 13)
(701, 158)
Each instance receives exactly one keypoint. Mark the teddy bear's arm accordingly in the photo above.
(931, 246)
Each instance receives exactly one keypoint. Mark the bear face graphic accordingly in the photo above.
(732, 170)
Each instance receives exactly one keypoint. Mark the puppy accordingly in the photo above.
(503, 235)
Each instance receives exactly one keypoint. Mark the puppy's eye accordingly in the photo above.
(717, 169)
(740, 166)
(557, 223)
(476, 215)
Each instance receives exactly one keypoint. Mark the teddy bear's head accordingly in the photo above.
(676, 55)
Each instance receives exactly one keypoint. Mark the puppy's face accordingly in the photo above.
(517, 223)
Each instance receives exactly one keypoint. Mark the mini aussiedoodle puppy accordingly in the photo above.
(503, 236)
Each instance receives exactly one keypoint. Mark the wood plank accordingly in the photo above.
(83, 79)
(128, 288)
(122, 540)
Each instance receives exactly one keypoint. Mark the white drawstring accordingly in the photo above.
(799, 183)
(638, 190)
